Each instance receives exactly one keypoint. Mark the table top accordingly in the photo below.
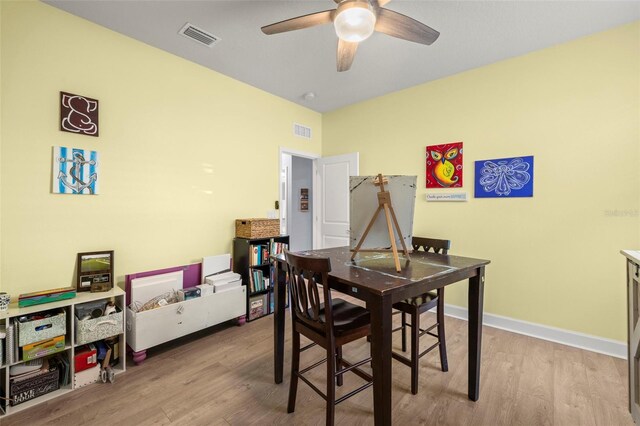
(633, 255)
(376, 270)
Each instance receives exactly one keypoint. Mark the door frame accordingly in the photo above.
(315, 197)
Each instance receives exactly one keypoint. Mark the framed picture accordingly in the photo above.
(504, 177)
(78, 114)
(95, 271)
(444, 165)
(75, 171)
(304, 199)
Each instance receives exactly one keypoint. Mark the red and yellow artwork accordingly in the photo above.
(444, 165)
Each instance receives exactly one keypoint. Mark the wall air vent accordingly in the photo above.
(199, 35)
(302, 131)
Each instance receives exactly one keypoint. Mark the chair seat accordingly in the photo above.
(346, 316)
(419, 300)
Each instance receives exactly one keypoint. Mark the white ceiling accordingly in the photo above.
(473, 34)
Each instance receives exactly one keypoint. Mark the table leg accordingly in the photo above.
(279, 293)
(380, 309)
(476, 298)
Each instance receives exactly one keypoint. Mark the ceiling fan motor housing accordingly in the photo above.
(355, 20)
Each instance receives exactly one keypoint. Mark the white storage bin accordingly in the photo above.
(42, 329)
(150, 328)
(90, 330)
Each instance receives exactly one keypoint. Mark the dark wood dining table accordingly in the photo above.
(372, 278)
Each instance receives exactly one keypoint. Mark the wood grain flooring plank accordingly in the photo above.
(608, 391)
(534, 397)
(572, 396)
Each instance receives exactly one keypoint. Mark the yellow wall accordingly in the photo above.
(575, 107)
(183, 150)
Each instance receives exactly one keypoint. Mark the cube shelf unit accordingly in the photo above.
(244, 263)
(69, 306)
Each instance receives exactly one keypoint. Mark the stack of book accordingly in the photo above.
(223, 281)
(259, 254)
(277, 248)
(257, 281)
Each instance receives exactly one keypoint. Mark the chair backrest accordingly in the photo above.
(433, 244)
(304, 275)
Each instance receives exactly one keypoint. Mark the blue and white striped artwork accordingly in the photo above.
(75, 171)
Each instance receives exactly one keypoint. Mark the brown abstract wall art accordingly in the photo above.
(78, 114)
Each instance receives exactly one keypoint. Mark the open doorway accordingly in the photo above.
(297, 207)
(314, 198)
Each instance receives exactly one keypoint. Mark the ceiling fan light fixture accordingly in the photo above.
(354, 20)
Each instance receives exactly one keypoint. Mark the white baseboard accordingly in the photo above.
(601, 345)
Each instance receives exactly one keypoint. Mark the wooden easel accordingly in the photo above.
(384, 203)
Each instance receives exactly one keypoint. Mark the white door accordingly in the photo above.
(333, 190)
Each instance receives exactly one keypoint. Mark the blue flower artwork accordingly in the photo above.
(504, 177)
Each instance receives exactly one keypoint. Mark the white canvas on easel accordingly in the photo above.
(364, 202)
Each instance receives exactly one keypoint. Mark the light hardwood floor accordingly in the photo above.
(226, 378)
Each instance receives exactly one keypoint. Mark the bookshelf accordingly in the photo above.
(74, 339)
(251, 261)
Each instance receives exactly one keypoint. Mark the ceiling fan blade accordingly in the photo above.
(401, 26)
(300, 22)
(346, 53)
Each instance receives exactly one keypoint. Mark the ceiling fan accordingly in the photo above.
(355, 21)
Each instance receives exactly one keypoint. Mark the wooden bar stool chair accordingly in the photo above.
(417, 306)
(331, 325)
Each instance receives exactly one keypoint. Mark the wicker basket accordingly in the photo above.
(257, 228)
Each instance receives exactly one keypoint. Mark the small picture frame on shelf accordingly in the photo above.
(95, 271)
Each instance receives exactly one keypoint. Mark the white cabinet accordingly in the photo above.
(69, 308)
(150, 328)
(633, 335)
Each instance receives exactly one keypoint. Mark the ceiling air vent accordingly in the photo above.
(302, 131)
(198, 34)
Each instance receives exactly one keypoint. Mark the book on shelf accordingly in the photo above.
(278, 247)
(10, 342)
(257, 280)
(259, 254)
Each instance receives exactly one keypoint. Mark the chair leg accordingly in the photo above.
(441, 337)
(295, 367)
(415, 350)
(339, 379)
(331, 384)
(404, 332)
